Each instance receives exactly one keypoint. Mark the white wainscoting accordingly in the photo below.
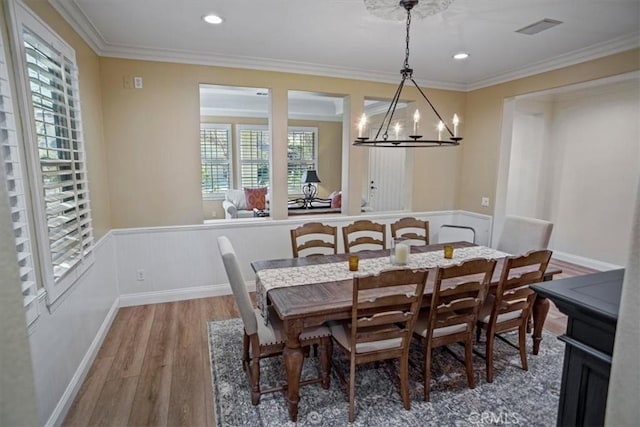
(64, 342)
(183, 262)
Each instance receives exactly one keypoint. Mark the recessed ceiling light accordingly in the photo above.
(212, 19)
(461, 55)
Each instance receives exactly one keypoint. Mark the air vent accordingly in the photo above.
(539, 26)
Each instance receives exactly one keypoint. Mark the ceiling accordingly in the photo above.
(341, 38)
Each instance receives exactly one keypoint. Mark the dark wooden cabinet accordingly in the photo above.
(591, 303)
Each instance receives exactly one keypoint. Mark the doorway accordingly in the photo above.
(387, 166)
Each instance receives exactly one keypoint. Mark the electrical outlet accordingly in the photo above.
(137, 82)
(140, 276)
(485, 202)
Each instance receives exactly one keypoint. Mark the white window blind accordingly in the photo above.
(253, 147)
(215, 155)
(302, 153)
(12, 166)
(54, 141)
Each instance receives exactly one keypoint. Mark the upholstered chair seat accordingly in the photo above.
(260, 339)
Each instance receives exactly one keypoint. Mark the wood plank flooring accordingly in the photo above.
(153, 367)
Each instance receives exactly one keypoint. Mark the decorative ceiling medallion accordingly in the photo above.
(391, 10)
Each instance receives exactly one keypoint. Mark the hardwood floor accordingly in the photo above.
(153, 368)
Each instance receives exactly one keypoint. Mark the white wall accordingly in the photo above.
(597, 136)
(184, 262)
(526, 165)
(64, 342)
(574, 160)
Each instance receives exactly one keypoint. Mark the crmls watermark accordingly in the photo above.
(494, 418)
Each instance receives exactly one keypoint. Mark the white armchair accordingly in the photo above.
(235, 205)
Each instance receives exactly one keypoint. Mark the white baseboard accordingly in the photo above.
(587, 262)
(70, 393)
(158, 297)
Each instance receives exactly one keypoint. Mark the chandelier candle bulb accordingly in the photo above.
(397, 129)
(416, 119)
(456, 121)
(440, 129)
(361, 125)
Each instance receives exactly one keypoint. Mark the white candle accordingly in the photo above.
(361, 125)
(416, 119)
(456, 120)
(397, 129)
(440, 129)
(402, 253)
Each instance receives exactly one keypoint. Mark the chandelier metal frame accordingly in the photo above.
(382, 136)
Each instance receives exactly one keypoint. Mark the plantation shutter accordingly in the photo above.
(12, 166)
(254, 156)
(302, 151)
(215, 157)
(60, 194)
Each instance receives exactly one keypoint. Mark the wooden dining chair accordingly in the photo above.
(262, 340)
(416, 231)
(521, 234)
(511, 306)
(458, 293)
(384, 310)
(364, 235)
(314, 238)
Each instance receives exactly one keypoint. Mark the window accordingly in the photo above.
(253, 146)
(215, 152)
(54, 151)
(12, 167)
(302, 151)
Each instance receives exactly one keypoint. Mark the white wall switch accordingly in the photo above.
(485, 202)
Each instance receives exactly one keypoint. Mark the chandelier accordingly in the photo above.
(387, 137)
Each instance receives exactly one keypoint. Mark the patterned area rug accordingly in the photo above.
(515, 397)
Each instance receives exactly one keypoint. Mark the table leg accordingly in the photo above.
(293, 359)
(540, 310)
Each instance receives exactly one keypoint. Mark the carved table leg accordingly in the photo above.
(540, 310)
(293, 359)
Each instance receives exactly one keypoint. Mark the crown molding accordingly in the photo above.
(75, 17)
(88, 32)
(620, 44)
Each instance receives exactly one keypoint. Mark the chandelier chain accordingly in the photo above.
(406, 52)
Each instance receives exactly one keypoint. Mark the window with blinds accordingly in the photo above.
(55, 150)
(215, 155)
(302, 151)
(253, 148)
(12, 167)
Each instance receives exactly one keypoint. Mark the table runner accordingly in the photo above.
(309, 274)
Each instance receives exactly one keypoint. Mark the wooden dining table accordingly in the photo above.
(313, 304)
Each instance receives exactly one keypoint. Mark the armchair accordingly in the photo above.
(235, 205)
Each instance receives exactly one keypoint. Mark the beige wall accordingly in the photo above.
(479, 167)
(329, 155)
(91, 101)
(153, 145)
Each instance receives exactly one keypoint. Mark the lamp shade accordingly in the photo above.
(310, 176)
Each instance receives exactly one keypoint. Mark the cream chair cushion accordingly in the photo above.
(423, 321)
(341, 332)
